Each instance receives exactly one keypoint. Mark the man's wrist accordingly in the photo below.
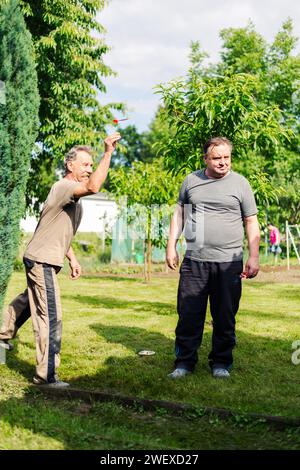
(172, 245)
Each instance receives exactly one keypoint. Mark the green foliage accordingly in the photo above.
(147, 184)
(199, 109)
(142, 146)
(18, 129)
(265, 194)
(132, 148)
(244, 51)
(160, 131)
(150, 190)
(69, 50)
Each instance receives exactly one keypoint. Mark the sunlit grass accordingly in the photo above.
(108, 320)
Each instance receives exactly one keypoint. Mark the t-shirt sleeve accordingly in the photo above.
(63, 193)
(248, 203)
(183, 195)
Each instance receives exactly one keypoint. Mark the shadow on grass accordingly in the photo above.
(37, 423)
(157, 308)
(259, 315)
(290, 293)
(118, 278)
(134, 338)
(262, 379)
(263, 375)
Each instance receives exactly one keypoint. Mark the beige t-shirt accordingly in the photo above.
(59, 221)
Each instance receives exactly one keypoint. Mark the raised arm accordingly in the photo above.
(97, 178)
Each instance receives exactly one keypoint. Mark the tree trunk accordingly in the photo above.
(148, 247)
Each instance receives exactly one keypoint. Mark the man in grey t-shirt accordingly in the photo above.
(213, 208)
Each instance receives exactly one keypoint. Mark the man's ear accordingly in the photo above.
(70, 166)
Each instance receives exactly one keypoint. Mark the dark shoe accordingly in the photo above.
(220, 373)
(5, 344)
(179, 373)
(57, 384)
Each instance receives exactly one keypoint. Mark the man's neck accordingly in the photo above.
(69, 176)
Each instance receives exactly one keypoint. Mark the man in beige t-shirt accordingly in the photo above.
(44, 257)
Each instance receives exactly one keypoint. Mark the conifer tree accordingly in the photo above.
(19, 103)
(69, 46)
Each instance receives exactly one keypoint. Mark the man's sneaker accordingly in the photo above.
(179, 373)
(4, 343)
(220, 373)
(57, 384)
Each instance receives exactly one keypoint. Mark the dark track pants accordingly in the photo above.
(221, 283)
(41, 300)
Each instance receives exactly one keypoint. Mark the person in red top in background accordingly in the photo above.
(274, 236)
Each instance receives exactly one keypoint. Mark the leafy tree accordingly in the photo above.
(132, 147)
(159, 133)
(251, 96)
(199, 109)
(19, 106)
(149, 189)
(69, 52)
(278, 71)
(245, 51)
(142, 146)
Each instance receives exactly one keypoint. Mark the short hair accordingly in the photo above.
(214, 142)
(72, 154)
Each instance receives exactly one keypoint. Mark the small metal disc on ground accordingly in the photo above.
(146, 353)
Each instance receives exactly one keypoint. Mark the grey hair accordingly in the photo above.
(72, 154)
(215, 141)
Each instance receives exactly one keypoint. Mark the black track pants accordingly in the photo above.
(221, 283)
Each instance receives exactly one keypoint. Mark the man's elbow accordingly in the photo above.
(91, 189)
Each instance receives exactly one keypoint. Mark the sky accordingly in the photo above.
(150, 42)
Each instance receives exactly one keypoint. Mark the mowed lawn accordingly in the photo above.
(107, 320)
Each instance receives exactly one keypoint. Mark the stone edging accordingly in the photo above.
(280, 422)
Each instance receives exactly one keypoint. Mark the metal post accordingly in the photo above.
(294, 245)
(287, 244)
(266, 244)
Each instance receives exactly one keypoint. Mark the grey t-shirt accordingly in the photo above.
(214, 210)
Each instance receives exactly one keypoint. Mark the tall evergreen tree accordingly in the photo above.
(69, 47)
(18, 128)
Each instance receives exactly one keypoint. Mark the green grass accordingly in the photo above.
(106, 321)
(33, 422)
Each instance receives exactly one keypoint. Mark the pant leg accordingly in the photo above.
(15, 316)
(44, 298)
(191, 305)
(225, 294)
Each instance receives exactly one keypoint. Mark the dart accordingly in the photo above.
(116, 121)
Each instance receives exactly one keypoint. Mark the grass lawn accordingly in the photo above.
(106, 321)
